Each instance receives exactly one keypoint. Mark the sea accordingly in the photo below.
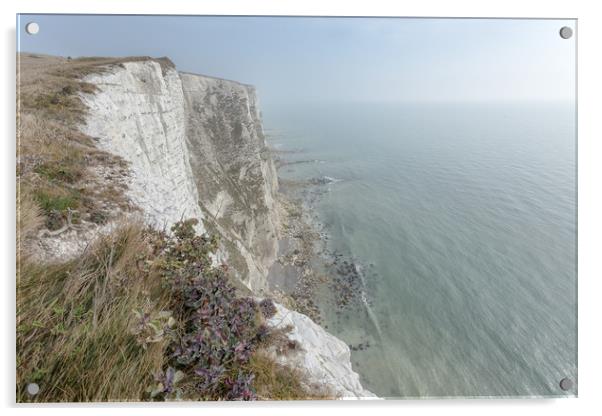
(460, 220)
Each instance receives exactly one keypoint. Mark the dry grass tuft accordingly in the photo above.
(30, 218)
(274, 381)
(74, 333)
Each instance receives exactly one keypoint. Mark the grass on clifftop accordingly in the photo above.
(55, 161)
(139, 315)
(145, 316)
(73, 336)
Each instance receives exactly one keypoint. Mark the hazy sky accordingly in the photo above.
(360, 59)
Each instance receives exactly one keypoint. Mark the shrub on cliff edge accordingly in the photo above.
(218, 331)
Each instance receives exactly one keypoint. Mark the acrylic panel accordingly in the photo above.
(291, 208)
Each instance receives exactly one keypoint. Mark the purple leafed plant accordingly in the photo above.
(268, 309)
(219, 331)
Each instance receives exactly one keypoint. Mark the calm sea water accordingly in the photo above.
(468, 214)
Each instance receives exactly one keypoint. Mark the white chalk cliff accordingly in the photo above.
(324, 358)
(138, 114)
(234, 174)
(196, 150)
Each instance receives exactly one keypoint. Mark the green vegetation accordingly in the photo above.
(65, 171)
(56, 205)
(50, 202)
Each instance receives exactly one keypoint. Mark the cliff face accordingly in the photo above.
(138, 113)
(196, 149)
(234, 174)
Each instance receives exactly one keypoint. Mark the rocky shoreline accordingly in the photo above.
(306, 269)
(294, 275)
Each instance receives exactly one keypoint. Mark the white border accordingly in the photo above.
(590, 201)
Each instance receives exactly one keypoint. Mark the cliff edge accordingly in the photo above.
(196, 149)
